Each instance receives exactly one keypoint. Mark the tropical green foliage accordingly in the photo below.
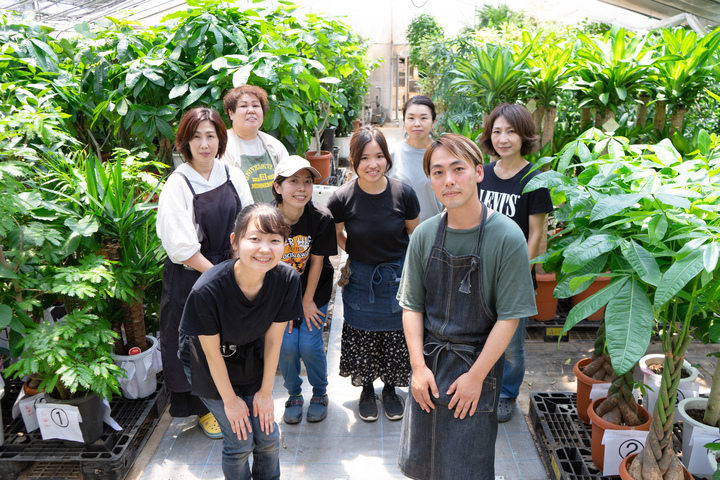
(72, 355)
(423, 28)
(123, 86)
(614, 78)
(649, 217)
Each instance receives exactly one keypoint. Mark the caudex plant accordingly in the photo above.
(649, 217)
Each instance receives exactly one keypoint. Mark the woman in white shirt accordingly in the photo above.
(196, 214)
(252, 151)
(407, 156)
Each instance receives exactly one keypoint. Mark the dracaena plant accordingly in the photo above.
(649, 217)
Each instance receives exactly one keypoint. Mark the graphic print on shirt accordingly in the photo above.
(500, 202)
(260, 176)
(297, 252)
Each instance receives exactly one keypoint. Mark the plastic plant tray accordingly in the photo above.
(109, 458)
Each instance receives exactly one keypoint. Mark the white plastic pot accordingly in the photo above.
(694, 453)
(141, 382)
(653, 380)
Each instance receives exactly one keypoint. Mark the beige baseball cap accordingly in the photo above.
(289, 166)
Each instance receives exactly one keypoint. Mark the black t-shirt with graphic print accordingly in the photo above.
(314, 233)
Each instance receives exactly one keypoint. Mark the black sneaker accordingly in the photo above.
(367, 407)
(393, 404)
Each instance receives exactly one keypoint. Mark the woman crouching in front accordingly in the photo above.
(230, 337)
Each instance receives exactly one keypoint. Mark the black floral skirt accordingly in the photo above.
(367, 355)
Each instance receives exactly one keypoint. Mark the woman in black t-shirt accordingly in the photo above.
(311, 243)
(374, 216)
(230, 336)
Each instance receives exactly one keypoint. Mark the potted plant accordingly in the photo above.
(323, 107)
(647, 216)
(74, 357)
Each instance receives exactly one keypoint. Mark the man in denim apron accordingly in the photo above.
(465, 284)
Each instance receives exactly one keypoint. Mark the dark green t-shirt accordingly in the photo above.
(507, 284)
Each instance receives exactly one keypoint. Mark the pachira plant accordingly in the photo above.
(72, 355)
(647, 217)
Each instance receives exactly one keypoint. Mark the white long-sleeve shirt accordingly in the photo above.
(176, 225)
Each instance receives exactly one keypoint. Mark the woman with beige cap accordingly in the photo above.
(308, 248)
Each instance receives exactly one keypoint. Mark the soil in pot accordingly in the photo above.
(657, 369)
(599, 425)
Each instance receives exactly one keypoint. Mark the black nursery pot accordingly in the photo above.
(90, 408)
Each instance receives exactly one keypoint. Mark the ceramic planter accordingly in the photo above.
(653, 379)
(90, 407)
(596, 286)
(321, 163)
(144, 381)
(584, 386)
(692, 427)
(624, 475)
(597, 449)
(546, 303)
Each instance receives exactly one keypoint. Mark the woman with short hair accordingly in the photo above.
(196, 212)
(252, 151)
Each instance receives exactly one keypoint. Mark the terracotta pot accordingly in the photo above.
(546, 303)
(321, 163)
(597, 449)
(584, 386)
(596, 286)
(30, 391)
(624, 475)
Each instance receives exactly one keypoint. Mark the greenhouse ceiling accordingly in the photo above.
(69, 12)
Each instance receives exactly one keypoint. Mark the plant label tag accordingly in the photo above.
(599, 390)
(28, 411)
(699, 461)
(618, 445)
(59, 421)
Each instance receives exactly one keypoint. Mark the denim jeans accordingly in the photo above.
(514, 371)
(308, 345)
(235, 454)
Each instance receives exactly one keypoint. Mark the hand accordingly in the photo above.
(313, 316)
(264, 408)
(239, 417)
(467, 390)
(423, 382)
(290, 326)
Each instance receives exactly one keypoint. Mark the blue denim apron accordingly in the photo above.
(436, 445)
(370, 297)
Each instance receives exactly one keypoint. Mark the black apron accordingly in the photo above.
(457, 322)
(215, 213)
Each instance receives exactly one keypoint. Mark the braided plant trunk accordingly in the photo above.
(658, 460)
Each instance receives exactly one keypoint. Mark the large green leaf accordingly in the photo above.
(613, 204)
(642, 262)
(677, 276)
(593, 303)
(628, 325)
(588, 250)
(6, 316)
